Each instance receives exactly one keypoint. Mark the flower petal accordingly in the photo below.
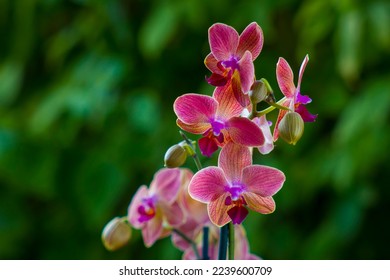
(285, 78)
(264, 126)
(232, 159)
(212, 64)
(305, 114)
(282, 113)
(258, 203)
(242, 99)
(302, 70)
(228, 106)
(166, 184)
(207, 146)
(218, 211)
(245, 132)
(152, 231)
(195, 128)
(207, 184)
(251, 39)
(223, 41)
(194, 108)
(173, 213)
(262, 180)
(132, 211)
(247, 72)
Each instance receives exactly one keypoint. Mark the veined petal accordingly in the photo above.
(285, 78)
(228, 106)
(232, 159)
(301, 70)
(247, 72)
(207, 146)
(282, 113)
(223, 40)
(258, 203)
(245, 132)
(194, 108)
(166, 184)
(152, 231)
(132, 211)
(207, 184)
(251, 39)
(262, 180)
(264, 126)
(242, 99)
(195, 128)
(218, 211)
(212, 64)
(305, 114)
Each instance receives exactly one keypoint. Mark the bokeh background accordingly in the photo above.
(86, 94)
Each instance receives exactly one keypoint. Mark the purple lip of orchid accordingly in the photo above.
(147, 210)
(232, 63)
(235, 191)
(217, 126)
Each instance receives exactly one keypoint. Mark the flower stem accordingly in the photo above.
(205, 245)
(272, 107)
(231, 241)
(189, 240)
(192, 150)
(223, 242)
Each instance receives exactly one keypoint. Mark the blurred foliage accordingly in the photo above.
(86, 94)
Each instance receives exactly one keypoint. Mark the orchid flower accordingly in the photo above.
(232, 57)
(217, 119)
(265, 125)
(235, 185)
(155, 210)
(294, 100)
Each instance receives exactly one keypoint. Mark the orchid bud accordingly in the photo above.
(116, 234)
(175, 156)
(291, 127)
(258, 92)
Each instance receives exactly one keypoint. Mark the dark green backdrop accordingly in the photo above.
(86, 94)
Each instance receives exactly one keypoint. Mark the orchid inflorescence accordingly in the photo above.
(203, 212)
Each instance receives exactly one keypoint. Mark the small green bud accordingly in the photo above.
(116, 234)
(258, 92)
(291, 127)
(175, 156)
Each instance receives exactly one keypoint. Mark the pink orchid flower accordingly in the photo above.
(217, 119)
(155, 210)
(232, 57)
(236, 185)
(294, 100)
(265, 125)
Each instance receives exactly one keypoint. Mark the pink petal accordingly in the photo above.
(194, 108)
(282, 113)
(207, 184)
(166, 184)
(301, 70)
(247, 72)
(196, 128)
(285, 78)
(223, 41)
(218, 211)
(260, 204)
(212, 64)
(251, 39)
(305, 114)
(264, 126)
(242, 99)
(245, 132)
(228, 106)
(207, 146)
(232, 159)
(173, 213)
(152, 231)
(217, 80)
(262, 180)
(132, 211)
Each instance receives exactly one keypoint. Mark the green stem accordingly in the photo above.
(223, 240)
(193, 151)
(205, 247)
(186, 238)
(272, 107)
(231, 241)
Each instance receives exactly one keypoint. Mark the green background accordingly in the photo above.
(86, 94)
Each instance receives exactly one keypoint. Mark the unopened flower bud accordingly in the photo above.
(175, 156)
(116, 234)
(291, 127)
(258, 92)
